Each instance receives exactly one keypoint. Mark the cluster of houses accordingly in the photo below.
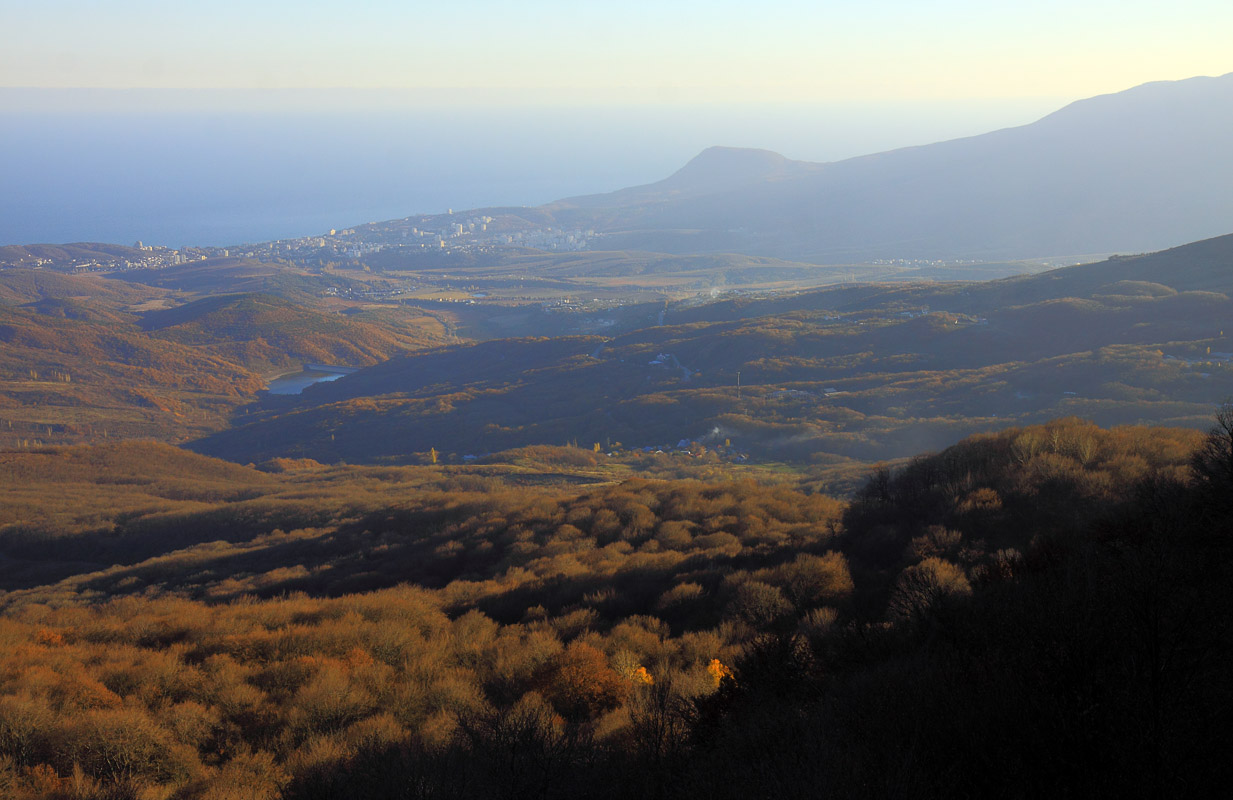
(691, 449)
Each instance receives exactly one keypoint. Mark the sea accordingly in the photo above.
(74, 167)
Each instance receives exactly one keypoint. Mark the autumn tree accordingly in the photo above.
(922, 586)
(760, 604)
(579, 683)
(1213, 461)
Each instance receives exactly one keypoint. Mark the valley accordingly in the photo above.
(769, 479)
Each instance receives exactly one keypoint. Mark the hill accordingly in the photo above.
(1054, 595)
(265, 332)
(231, 275)
(31, 255)
(19, 286)
(1138, 170)
(69, 372)
(1205, 266)
(862, 372)
(88, 359)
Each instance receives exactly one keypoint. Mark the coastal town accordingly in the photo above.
(413, 238)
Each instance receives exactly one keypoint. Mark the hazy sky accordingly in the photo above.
(484, 102)
(702, 50)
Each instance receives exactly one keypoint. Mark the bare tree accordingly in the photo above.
(1213, 461)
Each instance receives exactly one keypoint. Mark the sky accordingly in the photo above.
(604, 52)
(218, 122)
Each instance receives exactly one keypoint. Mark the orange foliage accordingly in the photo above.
(718, 671)
(579, 683)
(49, 638)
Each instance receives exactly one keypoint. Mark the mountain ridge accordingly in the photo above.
(1138, 170)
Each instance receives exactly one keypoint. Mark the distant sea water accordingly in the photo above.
(223, 177)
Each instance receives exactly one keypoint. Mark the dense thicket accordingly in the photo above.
(1037, 612)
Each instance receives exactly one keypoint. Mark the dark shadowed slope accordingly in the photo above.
(867, 372)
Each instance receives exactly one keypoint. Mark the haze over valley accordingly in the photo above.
(544, 402)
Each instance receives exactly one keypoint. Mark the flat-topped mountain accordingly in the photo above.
(714, 170)
(1139, 170)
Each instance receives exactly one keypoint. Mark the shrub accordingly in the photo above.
(760, 604)
(920, 588)
(579, 683)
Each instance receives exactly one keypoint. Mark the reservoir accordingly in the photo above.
(296, 382)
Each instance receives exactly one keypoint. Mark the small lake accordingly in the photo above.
(296, 382)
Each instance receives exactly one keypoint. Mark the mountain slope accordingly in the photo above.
(263, 331)
(20, 286)
(865, 372)
(231, 275)
(1139, 170)
(716, 169)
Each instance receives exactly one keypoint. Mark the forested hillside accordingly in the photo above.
(183, 627)
(90, 359)
(867, 372)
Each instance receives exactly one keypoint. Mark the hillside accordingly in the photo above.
(89, 359)
(866, 372)
(1138, 170)
(1204, 267)
(69, 373)
(30, 255)
(19, 286)
(265, 332)
(1052, 594)
(231, 275)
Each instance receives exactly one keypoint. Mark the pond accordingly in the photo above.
(296, 382)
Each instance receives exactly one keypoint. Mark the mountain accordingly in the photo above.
(1139, 170)
(716, 169)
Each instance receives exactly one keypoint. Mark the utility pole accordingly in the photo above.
(738, 384)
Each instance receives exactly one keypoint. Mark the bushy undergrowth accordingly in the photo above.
(1042, 596)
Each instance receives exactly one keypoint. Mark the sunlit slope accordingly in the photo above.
(262, 329)
(19, 286)
(232, 275)
(71, 373)
(89, 359)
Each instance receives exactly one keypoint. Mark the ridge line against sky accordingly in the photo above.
(716, 51)
(224, 178)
